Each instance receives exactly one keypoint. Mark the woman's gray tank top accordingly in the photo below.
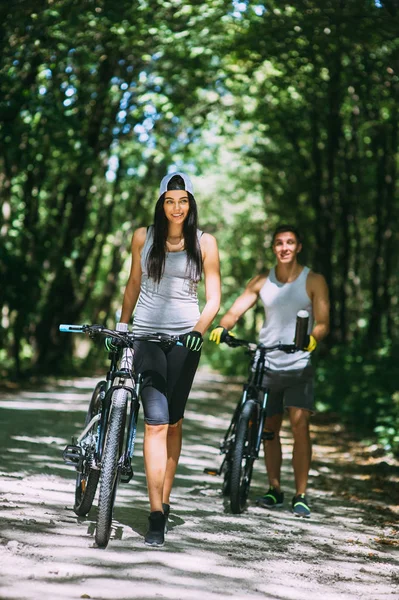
(281, 302)
(170, 306)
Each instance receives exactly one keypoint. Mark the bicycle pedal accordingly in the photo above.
(212, 471)
(268, 435)
(73, 455)
(126, 474)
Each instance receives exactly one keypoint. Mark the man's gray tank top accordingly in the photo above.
(170, 306)
(281, 302)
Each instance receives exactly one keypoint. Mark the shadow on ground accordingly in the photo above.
(347, 549)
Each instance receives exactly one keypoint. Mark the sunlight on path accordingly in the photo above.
(346, 551)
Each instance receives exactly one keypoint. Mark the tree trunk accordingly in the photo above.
(375, 321)
(389, 231)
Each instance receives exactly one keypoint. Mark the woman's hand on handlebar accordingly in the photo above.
(192, 340)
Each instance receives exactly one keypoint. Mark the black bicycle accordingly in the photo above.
(242, 441)
(103, 451)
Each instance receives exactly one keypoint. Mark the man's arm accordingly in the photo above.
(132, 290)
(244, 302)
(318, 293)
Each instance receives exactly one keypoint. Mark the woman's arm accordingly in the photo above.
(211, 267)
(132, 290)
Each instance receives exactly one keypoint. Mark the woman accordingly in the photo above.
(168, 260)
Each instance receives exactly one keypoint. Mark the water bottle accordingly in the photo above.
(301, 330)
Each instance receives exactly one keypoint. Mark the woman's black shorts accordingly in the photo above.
(167, 377)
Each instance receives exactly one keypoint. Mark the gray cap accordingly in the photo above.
(188, 186)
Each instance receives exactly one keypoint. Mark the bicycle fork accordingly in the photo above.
(261, 433)
(125, 460)
(228, 440)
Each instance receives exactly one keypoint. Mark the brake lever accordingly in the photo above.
(94, 330)
(231, 341)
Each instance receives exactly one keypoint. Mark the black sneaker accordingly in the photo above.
(300, 506)
(166, 511)
(155, 535)
(272, 499)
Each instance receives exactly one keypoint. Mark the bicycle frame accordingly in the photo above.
(116, 378)
(262, 393)
(242, 441)
(132, 427)
(254, 389)
(103, 452)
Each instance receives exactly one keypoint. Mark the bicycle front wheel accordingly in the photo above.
(87, 478)
(110, 473)
(243, 456)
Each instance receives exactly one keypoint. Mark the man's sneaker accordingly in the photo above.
(272, 499)
(300, 506)
(166, 511)
(155, 535)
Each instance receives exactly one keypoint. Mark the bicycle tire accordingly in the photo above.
(243, 456)
(226, 485)
(226, 447)
(110, 474)
(87, 478)
(226, 472)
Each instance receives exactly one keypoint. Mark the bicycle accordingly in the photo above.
(241, 443)
(104, 449)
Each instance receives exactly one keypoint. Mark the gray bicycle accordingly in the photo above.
(102, 452)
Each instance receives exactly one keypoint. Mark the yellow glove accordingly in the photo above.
(311, 345)
(219, 334)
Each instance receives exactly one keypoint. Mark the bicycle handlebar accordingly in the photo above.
(126, 337)
(234, 342)
(301, 329)
(72, 328)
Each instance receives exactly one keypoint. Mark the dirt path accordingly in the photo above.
(348, 550)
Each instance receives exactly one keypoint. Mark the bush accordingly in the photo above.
(364, 389)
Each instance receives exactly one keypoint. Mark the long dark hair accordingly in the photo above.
(156, 256)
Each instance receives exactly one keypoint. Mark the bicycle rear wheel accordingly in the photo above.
(243, 456)
(226, 485)
(87, 478)
(110, 472)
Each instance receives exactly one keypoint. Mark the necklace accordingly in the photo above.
(175, 247)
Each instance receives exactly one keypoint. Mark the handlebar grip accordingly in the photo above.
(232, 341)
(301, 329)
(71, 328)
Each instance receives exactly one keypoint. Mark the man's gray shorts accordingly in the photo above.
(291, 388)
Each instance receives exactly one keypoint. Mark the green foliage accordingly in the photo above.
(279, 112)
(362, 387)
(315, 99)
(90, 121)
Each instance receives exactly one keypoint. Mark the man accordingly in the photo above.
(284, 290)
